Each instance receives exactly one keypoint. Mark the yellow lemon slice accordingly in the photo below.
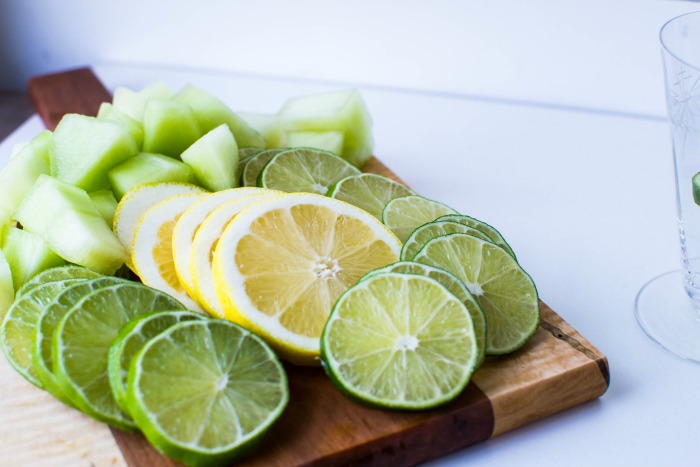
(137, 201)
(204, 243)
(187, 225)
(282, 263)
(152, 253)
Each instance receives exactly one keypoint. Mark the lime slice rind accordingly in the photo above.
(254, 165)
(368, 191)
(399, 341)
(241, 386)
(403, 215)
(57, 274)
(426, 232)
(482, 226)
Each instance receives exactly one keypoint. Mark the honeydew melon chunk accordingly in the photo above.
(169, 127)
(67, 219)
(106, 204)
(327, 140)
(133, 103)
(85, 148)
(20, 173)
(211, 112)
(148, 168)
(265, 124)
(7, 290)
(27, 255)
(332, 111)
(110, 113)
(214, 159)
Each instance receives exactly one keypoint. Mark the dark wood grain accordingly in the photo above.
(557, 369)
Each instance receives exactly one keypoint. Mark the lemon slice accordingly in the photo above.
(188, 224)
(282, 263)
(205, 241)
(137, 201)
(152, 252)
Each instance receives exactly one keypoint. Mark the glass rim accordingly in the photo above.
(665, 45)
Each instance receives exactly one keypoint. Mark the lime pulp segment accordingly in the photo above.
(60, 273)
(481, 226)
(254, 165)
(370, 192)
(427, 232)
(403, 215)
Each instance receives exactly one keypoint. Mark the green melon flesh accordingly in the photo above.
(327, 140)
(27, 255)
(265, 124)
(133, 103)
(212, 112)
(148, 168)
(169, 127)
(20, 173)
(105, 203)
(111, 114)
(85, 148)
(7, 290)
(214, 159)
(342, 111)
(66, 218)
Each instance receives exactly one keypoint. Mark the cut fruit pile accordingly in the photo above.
(264, 222)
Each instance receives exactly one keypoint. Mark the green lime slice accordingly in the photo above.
(306, 170)
(60, 273)
(455, 286)
(130, 339)
(696, 188)
(481, 226)
(399, 341)
(427, 232)
(244, 155)
(504, 290)
(204, 392)
(82, 339)
(403, 215)
(49, 318)
(370, 192)
(19, 325)
(252, 168)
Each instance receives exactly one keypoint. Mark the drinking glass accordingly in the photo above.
(668, 307)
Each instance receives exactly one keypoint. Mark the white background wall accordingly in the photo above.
(471, 48)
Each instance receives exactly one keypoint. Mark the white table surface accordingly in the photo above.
(578, 178)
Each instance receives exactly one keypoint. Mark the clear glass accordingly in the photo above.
(668, 312)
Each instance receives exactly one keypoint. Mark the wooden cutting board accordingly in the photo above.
(557, 369)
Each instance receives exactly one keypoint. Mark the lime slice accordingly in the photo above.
(82, 339)
(481, 226)
(456, 288)
(403, 215)
(244, 155)
(504, 290)
(60, 273)
(48, 320)
(305, 170)
(399, 341)
(370, 192)
(18, 327)
(427, 232)
(130, 339)
(204, 392)
(252, 168)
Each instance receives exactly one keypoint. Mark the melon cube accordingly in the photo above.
(27, 255)
(133, 103)
(148, 168)
(7, 290)
(343, 111)
(169, 127)
(327, 140)
(111, 114)
(214, 159)
(85, 148)
(20, 173)
(212, 112)
(105, 203)
(65, 217)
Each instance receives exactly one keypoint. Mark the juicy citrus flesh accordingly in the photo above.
(305, 170)
(81, 345)
(130, 339)
(504, 290)
(281, 264)
(204, 244)
(206, 391)
(370, 192)
(400, 341)
(455, 286)
(403, 215)
(57, 274)
(427, 232)
(481, 226)
(47, 322)
(253, 167)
